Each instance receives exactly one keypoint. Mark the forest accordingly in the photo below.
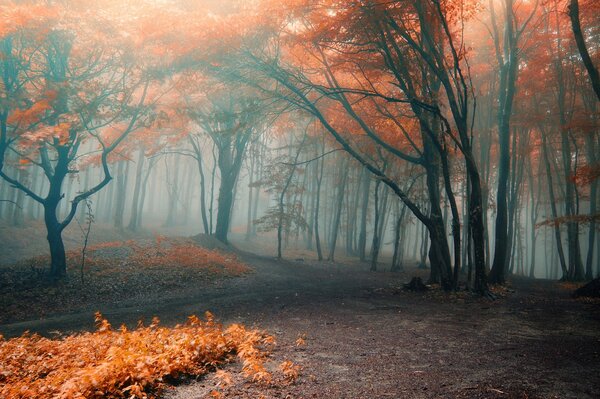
(299, 198)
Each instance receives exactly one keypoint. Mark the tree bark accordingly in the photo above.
(339, 204)
(556, 227)
(573, 11)
(139, 169)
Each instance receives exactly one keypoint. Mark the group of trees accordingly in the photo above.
(473, 124)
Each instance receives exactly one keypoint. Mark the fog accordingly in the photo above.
(473, 153)
(402, 194)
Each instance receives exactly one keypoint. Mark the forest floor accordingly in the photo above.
(365, 337)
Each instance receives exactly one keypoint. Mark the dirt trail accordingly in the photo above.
(272, 286)
(365, 338)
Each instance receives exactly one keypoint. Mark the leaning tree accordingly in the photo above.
(375, 61)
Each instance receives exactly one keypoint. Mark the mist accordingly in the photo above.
(382, 186)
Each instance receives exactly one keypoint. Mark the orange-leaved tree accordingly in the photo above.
(392, 73)
(72, 87)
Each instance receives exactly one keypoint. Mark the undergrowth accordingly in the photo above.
(129, 363)
(114, 272)
(163, 252)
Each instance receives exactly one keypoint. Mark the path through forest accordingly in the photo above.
(366, 338)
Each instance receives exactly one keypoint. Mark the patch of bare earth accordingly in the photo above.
(381, 342)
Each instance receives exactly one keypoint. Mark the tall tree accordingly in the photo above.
(67, 93)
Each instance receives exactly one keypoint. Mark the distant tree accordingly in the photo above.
(230, 120)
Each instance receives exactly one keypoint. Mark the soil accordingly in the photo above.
(366, 337)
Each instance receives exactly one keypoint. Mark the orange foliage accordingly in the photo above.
(289, 370)
(15, 16)
(124, 363)
(177, 253)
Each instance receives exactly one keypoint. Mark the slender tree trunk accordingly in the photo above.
(591, 146)
(280, 203)
(120, 193)
(199, 157)
(352, 214)
(143, 193)
(250, 197)
(313, 201)
(508, 75)
(362, 236)
(556, 227)
(212, 190)
(398, 244)
(173, 194)
(139, 169)
(535, 203)
(339, 203)
(319, 180)
(18, 218)
(376, 222)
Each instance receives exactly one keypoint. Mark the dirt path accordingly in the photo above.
(372, 341)
(271, 287)
(365, 338)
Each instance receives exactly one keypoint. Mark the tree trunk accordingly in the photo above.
(280, 203)
(339, 203)
(120, 194)
(556, 227)
(362, 236)
(173, 194)
(590, 143)
(573, 11)
(18, 218)
(133, 221)
(319, 180)
(352, 214)
(224, 207)
(198, 152)
(398, 233)
(58, 259)
(250, 196)
(376, 223)
(508, 75)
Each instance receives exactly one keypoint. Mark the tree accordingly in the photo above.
(279, 180)
(66, 93)
(507, 56)
(573, 11)
(336, 71)
(230, 121)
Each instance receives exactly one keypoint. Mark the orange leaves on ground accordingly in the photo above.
(290, 371)
(569, 285)
(301, 340)
(125, 364)
(185, 253)
(224, 378)
(165, 252)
